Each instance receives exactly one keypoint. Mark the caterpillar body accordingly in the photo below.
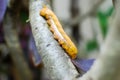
(58, 32)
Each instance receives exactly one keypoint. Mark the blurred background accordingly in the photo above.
(85, 21)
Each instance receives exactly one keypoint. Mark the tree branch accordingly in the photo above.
(82, 17)
(16, 52)
(106, 67)
(57, 64)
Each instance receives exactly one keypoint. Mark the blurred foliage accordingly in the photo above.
(91, 45)
(103, 23)
(103, 20)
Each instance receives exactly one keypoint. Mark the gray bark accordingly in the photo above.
(57, 64)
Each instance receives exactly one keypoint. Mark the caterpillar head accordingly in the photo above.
(45, 12)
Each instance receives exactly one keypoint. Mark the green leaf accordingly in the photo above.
(91, 45)
(103, 23)
(109, 12)
(103, 19)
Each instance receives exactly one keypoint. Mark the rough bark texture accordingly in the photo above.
(57, 64)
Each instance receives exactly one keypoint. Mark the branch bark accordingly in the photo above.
(57, 64)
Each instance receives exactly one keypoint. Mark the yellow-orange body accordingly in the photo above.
(59, 33)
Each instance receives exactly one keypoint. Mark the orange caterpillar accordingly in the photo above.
(58, 32)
